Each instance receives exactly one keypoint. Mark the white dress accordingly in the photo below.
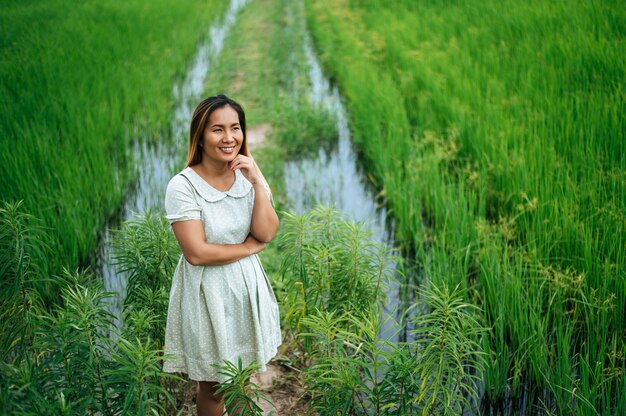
(217, 313)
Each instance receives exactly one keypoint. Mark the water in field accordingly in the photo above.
(157, 163)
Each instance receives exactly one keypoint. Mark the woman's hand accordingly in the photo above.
(264, 224)
(254, 245)
(248, 167)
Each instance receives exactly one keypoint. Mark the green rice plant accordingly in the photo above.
(77, 81)
(492, 129)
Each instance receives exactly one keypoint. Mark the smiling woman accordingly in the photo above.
(222, 306)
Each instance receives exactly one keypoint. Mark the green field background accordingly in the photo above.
(496, 132)
(80, 81)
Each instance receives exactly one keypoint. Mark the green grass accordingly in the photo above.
(76, 79)
(499, 125)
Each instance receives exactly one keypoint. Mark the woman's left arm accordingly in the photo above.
(264, 224)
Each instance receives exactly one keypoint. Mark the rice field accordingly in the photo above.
(79, 82)
(495, 130)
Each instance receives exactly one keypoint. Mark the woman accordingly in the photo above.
(222, 306)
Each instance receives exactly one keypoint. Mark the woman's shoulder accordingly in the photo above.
(179, 182)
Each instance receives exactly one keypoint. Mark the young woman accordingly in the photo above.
(222, 306)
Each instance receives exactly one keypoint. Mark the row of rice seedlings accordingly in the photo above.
(76, 78)
(494, 130)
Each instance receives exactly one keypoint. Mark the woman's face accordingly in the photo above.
(223, 136)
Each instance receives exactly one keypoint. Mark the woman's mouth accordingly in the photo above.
(227, 150)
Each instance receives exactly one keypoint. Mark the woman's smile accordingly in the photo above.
(228, 150)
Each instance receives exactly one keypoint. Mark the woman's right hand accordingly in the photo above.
(253, 245)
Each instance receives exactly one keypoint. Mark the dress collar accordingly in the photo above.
(240, 188)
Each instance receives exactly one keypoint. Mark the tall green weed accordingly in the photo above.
(335, 282)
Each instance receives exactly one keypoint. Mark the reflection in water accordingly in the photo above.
(157, 163)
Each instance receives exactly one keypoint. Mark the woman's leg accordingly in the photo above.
(208, 403)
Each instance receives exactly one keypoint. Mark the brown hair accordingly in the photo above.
(200, 119)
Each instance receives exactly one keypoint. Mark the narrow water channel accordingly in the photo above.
(158, 162)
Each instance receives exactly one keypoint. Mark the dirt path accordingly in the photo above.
(283, 391)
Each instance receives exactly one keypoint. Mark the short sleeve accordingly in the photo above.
(180, 203)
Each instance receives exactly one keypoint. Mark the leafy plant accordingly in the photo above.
(22, 246)
(240, 394)
(351, 369)
(330, 264)
(137, 378)
(451, 360)
(68, 357)
(354, 371)
(145, 252)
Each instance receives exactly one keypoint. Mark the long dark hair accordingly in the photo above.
(200, 119)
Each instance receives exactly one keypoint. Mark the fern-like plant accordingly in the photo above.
(145, 252)
(136, 378)
(22, 280)
(335, 277)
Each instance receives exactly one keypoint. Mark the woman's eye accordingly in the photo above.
(235, 128)
(217, 131)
